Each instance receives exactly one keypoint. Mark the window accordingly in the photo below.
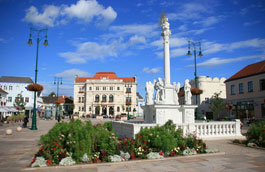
(0, 86)
(128, 99)
(79, 100)
(262, 84)
(128, 109)
(9, 99)
(128, 90)
(83, 108)
(79, 108)
(97, 98)
(104, 88)
(250, 86)
(89, 108)
(5, 87)
(83, 100)
(111, 98)
(26, 99)
(104, 98)
(241, 88)
(111, 88)
(10, 87)
(232, 89)
(118, 109)
(118, 88)
(90, 88)
(97, 88)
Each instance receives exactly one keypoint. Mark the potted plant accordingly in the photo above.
(35, 87)
(196, 91)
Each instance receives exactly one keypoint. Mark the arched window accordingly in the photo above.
(118, 109)
(97, 98)
(111, 98)
(104, 98)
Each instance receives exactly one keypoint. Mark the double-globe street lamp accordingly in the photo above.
(194, 45)
(39, 34)
(57, 81)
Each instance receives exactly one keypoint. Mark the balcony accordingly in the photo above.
(104, 101)
(128, 91)
(80, 92)
(96, 101)
(128, 103)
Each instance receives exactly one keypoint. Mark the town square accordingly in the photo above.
(151, 85)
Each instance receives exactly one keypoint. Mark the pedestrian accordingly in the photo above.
(26, 120)
(59, 118)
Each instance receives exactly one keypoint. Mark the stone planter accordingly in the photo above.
(19, 129)
(9, 132)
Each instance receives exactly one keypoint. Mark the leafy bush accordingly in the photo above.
(108, 126)
(256, 134)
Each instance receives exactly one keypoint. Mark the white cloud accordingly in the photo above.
(178, 52)
(86, 10)
(137, 39)
(64, 90)
(251, 23)
(216, 61)
(47, 18)
(152, 70)
(209, 21)
(71, 73)
(91, 51)
(174, 42)
(2, 40)
(147, 30)
(83, 10)
(182, 27)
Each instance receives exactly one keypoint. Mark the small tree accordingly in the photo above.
(217, 104)
(19, 102)
(52, 94)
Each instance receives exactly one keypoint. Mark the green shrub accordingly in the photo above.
(108, 126)
(256, 134)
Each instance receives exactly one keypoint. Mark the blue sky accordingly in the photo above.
(123, 36)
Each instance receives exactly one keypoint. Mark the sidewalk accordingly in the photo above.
(17, 151)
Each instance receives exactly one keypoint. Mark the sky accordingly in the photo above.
(124, 36)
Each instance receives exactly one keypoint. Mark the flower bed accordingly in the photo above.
(255, 136)
(77, 142)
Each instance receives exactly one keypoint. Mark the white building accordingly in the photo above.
(17, 85)
(140, 104)
(3, 100)
(105, 94)
(209, 86)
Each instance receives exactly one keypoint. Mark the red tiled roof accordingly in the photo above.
(3, 91)
(253, 69)
(108, 75)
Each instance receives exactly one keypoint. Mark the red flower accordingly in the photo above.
(145, 141)
(41, 148)
(60, 152)
(139, 137)
(34, 159)
(61, 147)
(264, 130)
(56, 144)
(48, 162)
(54, 148)
(51, 143)
(161, 153)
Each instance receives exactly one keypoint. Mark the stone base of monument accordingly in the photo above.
(160, 114)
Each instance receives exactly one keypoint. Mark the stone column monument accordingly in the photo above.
(166, 106)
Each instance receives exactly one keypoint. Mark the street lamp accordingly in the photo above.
(57, 81)
(38, 35)
(128, 87)
(194, 46)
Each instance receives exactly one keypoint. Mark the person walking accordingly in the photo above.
(59, 118)
(26, 120)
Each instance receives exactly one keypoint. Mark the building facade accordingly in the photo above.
(15, 86)
(140, 104)
(105, 94)
(3, 100)
(246, 92)
(209, 87)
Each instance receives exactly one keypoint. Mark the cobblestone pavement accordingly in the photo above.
(17, 150)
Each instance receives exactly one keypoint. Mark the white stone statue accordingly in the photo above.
(187, 92)
(149, 89)
(176, 88)
(165, 27)
(159, 86)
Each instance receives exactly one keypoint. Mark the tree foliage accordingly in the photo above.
(52, 94)
(19, 101)
(217, 104)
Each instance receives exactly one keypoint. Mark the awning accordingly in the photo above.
(2, 109)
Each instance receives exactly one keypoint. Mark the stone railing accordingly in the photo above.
(201, 130)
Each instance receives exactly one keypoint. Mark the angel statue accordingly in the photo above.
(149, 89)
(187, 92)
(176, 91)
(159, 86)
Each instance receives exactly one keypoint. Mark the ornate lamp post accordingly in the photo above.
(39, 34)
(128, 87)
(194, 46)
(57, 81)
